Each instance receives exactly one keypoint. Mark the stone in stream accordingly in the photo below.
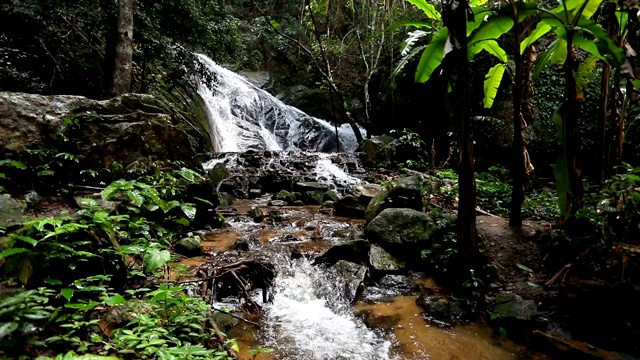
(313, 197)
(189, 246)
(442, 310)
(401, 232)
(255, 193)
(257, 214)
(330, 196)
(351, 207)
(286, 196)
(355, 251)
(277, 203)
(11, 211)
(305, 186)
(351, 275)
(510, 305)
(382, 260)
(328, 204)
(402, 193)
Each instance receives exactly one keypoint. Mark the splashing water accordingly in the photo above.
(331, 174)
(244, 117)
(310, 318)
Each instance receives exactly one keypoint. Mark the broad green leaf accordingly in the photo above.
(491, 29)
(7, 328)
(136, 198)
(584, 74)
(560, 54)
(189, 210)
(636, 84)
(574, 7)
(479, 14)
(427, 8)
(623, 19)
(67, 293)
(563, 186)
(544, 59)
(115, 187)
(541, 29)
(492, 83)
(12, 251)
(3, 176)
(29, 240)
(46, 173)
(13, 163)
(606, 48)
(431, 56)
(155, 259)
(490, 46)
(114, 300)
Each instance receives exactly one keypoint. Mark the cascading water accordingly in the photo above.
(244, 117)
(311, 318)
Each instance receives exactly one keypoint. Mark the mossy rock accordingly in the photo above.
(405, 193)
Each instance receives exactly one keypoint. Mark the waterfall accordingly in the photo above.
(244, 117)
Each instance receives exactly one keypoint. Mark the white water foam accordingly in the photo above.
(310, 320)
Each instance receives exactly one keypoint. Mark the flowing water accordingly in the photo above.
(311, 315)
(244, 117)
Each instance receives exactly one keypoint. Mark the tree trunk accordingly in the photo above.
(517, 192)
(455, 19)
(572, 136)
(123, 65)
(602, 150)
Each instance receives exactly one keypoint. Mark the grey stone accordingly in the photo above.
(510, 305)
(382, 260)
(401, 193)
(189, 246)
(11, 211)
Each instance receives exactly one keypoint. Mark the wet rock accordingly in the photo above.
(402, 193)
(241, 244)
(382, 260)
(401, 283)
(257, 214)
(11, 211)
(442, 309)
(313, 197)
(350, 275)
(287, 196)
(223, 320)
(225, 199)
(366, 192)
(189, 246)
(305, 186)
(298, 203)
(350, 206)
(401, 232)
(385, 323)
(510, 305)
(328, 204)
(255, 193)
(277, 203)
(355, 251)
(375, 150)
(125, 129)
(330, 196)
(217, 174)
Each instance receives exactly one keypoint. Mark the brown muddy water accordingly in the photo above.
(310, 318)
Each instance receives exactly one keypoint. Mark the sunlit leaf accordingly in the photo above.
(431, 56)
(428, 9)
(492, 83)
(155, 259)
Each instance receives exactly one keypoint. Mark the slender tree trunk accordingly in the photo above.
(602, 150)
(455, 19)
(123, 65)
(572, 136)
(517, 192)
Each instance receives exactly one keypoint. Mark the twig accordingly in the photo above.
(236, 316)
(486, 213)
(558, 274)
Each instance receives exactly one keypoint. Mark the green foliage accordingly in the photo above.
(21, 313)
(407, 151)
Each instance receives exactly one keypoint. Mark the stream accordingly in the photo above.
(310, 318)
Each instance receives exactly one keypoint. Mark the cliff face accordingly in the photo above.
(124, 129)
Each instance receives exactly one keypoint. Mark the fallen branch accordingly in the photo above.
(478, 210)
(236, 317)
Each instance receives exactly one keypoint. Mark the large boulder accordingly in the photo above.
(405, 192)
(11, 211)
(374, 150)
(354, 251)
(355, 204)
(125, 129)
(401, 232)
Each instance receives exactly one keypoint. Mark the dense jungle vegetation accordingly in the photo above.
(524, 109)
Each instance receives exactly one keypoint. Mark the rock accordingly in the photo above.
(218, 173)
(255, 193)
(258, 78)
(305, 186)
(298, 203)
(328, 204)
(348, 278)
(241, 244)
(375, 150)
(277, 203)
(313, 197)
(351, 207)
(401, 232)
(11, 211)
(366, 192)
(125, 129)
(225, 199)
(442, 309)
(385, 323)
(257, 214)
(330, 196)
(189, 246)
(286, 196)
(402, 193)
(355, 251)
(510, 305)
(382, 260)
